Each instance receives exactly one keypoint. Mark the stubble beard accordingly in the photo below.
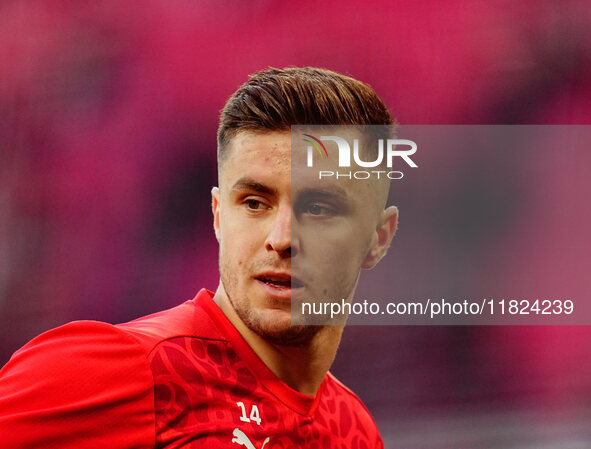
(290, 335)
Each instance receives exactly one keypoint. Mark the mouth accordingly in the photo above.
(279, 280)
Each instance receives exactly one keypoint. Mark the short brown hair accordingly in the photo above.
(274, 99)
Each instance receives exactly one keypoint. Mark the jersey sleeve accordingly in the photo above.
(82, 385)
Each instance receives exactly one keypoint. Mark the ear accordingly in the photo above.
(215, 208)
(382, 238)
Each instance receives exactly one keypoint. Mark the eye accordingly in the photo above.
(252, 204)
(318, 209)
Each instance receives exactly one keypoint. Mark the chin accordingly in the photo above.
(293, 336)
(275, 327)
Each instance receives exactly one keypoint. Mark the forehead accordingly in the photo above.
(257, 155)
(259, 148)
(267, 159)
(306, 176)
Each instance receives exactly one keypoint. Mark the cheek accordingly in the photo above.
(346, 240)
(335, 257)
(237, 245)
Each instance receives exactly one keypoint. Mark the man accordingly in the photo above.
(228, 369)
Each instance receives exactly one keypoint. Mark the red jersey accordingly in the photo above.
(181, 378)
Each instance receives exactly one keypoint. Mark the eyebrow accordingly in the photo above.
(332, 191)
(329, 191)
(246, 183)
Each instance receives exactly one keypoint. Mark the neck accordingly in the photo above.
(302, 368)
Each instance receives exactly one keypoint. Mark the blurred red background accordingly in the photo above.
(107, 156)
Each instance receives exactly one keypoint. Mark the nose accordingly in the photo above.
(279, 238)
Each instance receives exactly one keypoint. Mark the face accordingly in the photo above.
(281, 242)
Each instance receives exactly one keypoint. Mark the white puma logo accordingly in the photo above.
(241, 438)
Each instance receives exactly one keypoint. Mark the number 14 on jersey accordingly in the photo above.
(254, 413)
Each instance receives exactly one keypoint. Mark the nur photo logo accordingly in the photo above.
(383, 155)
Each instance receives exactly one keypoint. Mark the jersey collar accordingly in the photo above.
(300, 403)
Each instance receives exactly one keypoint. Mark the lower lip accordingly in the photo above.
(279, 292)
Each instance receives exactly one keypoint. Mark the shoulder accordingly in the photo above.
(353, 417)
(89, 349)
(85, 342)
(88, 376)
(186, 320)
